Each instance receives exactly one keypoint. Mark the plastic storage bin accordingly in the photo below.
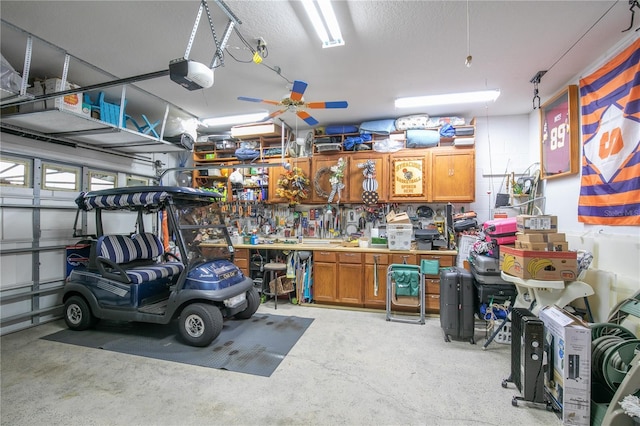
(399, 236)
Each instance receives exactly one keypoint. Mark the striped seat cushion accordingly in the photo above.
(142, 274)
(121, 249)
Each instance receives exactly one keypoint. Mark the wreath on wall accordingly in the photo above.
(293, 185)
(336, 178)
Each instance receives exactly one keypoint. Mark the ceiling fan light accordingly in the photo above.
(448, 99)
(235, 119)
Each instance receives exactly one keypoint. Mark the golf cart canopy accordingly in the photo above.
(151, 198)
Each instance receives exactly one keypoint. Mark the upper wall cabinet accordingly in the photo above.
(98, 110)
(453, 175)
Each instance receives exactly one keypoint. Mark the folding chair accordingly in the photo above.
(145, 129)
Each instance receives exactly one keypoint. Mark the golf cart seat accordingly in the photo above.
(133, 260)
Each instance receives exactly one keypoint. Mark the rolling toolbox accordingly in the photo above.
(457, 308)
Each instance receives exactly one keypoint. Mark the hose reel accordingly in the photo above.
(613, 348)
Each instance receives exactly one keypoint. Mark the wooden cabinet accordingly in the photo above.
(349, 279)
(276, 172)
(354, 177)
(453, 175)
(409, 172)
(241, 260)
(432, 282)
(320, 174)
(375, 280)
(324, 276)
(337, 278)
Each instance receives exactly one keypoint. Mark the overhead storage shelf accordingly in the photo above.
(86, 130)
(40, 117)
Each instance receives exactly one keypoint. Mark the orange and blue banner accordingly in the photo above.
(610, 116)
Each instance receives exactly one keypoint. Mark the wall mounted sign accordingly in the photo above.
(559, 135)
(408, 177)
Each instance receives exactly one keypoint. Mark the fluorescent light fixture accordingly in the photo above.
(448, 99)
(326, 26)
(235, 119)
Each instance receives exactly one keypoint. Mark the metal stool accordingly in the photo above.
(273, 269)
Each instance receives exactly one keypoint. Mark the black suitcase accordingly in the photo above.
(496, 293)
(457, 307)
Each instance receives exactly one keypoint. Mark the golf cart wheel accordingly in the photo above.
(77, 314)
(253, 302)
(200, 324)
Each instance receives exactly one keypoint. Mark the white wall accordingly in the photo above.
(515, 140)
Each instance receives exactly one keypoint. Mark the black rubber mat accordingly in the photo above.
(253, 346)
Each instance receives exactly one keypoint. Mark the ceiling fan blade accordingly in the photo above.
(298, 90)
(274, 114)
(307, 118)
(336, 104)
(264, 101)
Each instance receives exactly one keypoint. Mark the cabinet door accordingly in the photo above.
(276, 172)
(375, 292)
(453, 175)
(320, 175)
(324, 282)
(355, 178)
(349, 284)
(409, 174)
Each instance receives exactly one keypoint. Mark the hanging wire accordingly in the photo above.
(469, 58)
(582, 36)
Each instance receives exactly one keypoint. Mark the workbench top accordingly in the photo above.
(310, 246)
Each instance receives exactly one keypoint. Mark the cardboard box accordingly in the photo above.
(37, 89)
(557, 246)
(539, 265)
(71, 102)
(567, 379)
(394, 217)
(541, 238)
(536, 224)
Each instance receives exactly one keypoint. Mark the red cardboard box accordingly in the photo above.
(539, 265)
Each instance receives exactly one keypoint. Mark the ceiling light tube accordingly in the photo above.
(328, 22)
(235, 119)
(448, 99)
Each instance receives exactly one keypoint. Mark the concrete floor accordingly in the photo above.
(350, 367)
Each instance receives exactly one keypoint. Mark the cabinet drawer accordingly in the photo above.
(241, 253)
(324, 256)
(344, 257)
(383, 259)
(399, 258)
(444, 259)
(241, 263)
(432, 285)
(432, 302)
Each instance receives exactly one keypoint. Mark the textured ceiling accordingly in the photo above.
(393, 49)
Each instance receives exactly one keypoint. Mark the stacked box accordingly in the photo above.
(539, 265)
(73, 102)
(541, 242)
(529, 224)
(568, 377)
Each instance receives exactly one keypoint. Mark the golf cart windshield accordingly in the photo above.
(204, 232)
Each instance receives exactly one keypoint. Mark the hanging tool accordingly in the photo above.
(633, 4)
(375, 274)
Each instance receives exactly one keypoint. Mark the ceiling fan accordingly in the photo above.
(295, 103)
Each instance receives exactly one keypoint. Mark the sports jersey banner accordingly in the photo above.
(610, 109)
